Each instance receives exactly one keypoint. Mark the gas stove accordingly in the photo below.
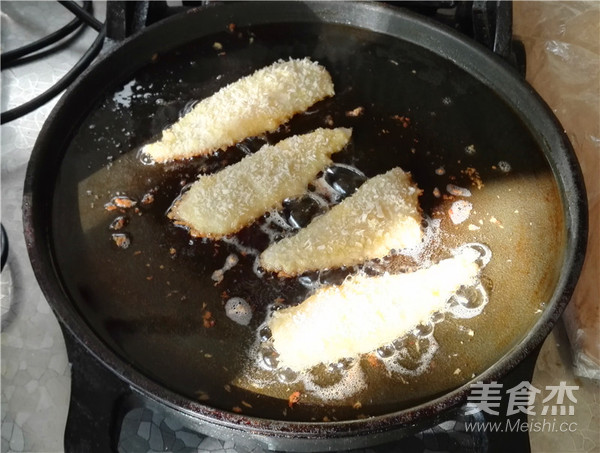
(37, 373)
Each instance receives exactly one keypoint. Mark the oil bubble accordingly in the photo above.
(468, 302)
(424, 330)
(299, 213)
(188, 107)
(438, 317)
(269, 357)
(310, 281)
(386, 351)
(504, 166)
(287, 376)
(344, 179)
(265, 334)
(144, 157)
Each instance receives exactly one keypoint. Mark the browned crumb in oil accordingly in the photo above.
(237, 409)
(118, 223)
(473, 175)
(148, 198)
(357, 405)
(358, 111)
(293, 399)
(373, 360)
(497, 222)
(404, 120)
(121, 240)
(458, 191)
(123, 202)
(329, 121)
(207, 320)
(246, 404)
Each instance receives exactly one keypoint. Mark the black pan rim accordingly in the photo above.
(480, 62)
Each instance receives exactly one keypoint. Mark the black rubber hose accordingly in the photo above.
(82, 14)
(57, 88)
(8, 59)
(4, 247)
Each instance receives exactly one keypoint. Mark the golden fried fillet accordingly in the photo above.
(223, 203)
(383, 214)
(365, 313)
(252, 105)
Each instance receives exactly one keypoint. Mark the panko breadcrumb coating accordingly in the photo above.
(383, 214)
(223, 203)
(253, 105)
(365, 313)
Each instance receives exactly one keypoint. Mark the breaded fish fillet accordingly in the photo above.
(383, 214)
(365, 313)
(222, 203)
(252, 105)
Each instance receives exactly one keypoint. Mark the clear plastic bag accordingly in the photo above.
(562, 41)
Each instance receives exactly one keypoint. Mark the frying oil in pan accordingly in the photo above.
(190, 312)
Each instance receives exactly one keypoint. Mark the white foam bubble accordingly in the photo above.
(124, 96)
(238, 310)
(484, 252)
(504, 166)
(460, 211)
(352, 381)
(394, 366)
(188, 107)
(244, 249)
(469, 303)
(431, 241)
(230, 262)
(350, 168)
